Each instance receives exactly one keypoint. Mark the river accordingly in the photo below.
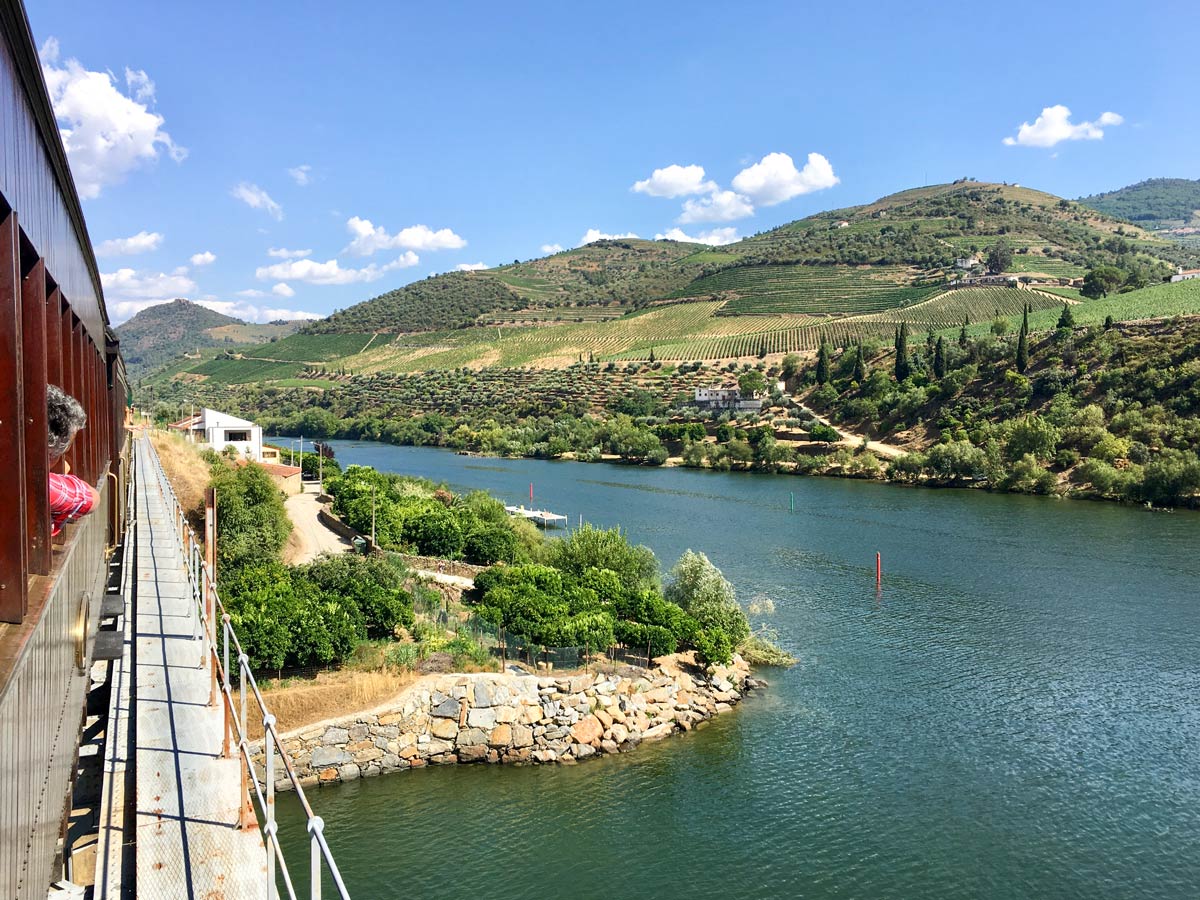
(1013, 715)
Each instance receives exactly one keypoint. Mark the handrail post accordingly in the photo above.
(269, 754)
(210, 593)
(316, 825)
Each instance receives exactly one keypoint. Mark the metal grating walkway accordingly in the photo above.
(188, 845)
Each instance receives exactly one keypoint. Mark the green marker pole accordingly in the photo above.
(791, 501)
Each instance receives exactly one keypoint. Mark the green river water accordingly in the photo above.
(1014, 714)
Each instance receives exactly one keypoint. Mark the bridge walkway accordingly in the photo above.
(188, 843)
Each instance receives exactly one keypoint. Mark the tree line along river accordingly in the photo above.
(1013, 715)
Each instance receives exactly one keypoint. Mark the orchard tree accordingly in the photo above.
(1102, 281)
(999, 258)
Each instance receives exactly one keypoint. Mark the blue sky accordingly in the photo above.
(395, 140)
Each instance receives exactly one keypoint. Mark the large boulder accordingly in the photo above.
(587, 730)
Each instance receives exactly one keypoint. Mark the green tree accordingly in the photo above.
(790, 366)
(605, 548)
(252, 524)
(699, 588)
(999, 258)
(1101, 281)
(860, 364)
(903, 367)
(1023, 342)
(823, 364)
(1066, 319)
(963, 340)
(939, 358)
(435, 533)
(752, 382)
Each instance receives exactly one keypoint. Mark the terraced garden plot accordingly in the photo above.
(773, 290)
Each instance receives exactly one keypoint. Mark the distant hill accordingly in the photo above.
(837, 277)
(161, 334)
(1168, 206)
(883, 255)
(613, 275)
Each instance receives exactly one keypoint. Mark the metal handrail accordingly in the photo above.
(210, 607)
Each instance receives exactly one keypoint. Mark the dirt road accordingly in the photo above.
(849, 439)
(311, 538)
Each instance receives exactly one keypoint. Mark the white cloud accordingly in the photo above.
(107, 134)
(302, 175)
(128, 291)
(1054, 126)
(131, 284)
(207, 258)
(715, 236)
(142, 242)
(675, 181)
(719, 206)
(283, 289)
(284, 253)
(140, 85)
(774, 178)
(552, 248)
(472, 267)
(256, 198)
(310, 271)
(251, 312)
(369, 238)
(251, 293)
(595, 234)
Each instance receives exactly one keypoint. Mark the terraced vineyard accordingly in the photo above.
(811, 290)
(946, 310)
(312, 347)
(245, 371)
(1046, 265)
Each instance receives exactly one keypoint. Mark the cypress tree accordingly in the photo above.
(651, 354)
(1067, 319)
(962, 334)
(823, 364)
(860, 365)
(939, 358)
(903, 369)
(1023, 343)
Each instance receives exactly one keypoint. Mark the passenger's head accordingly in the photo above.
(64, 417)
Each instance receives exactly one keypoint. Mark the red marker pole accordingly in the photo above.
(531, 493)
(878, 570)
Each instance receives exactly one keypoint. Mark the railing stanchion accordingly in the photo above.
(269, 758)
(316, 825)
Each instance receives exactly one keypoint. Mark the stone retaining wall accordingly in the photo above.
(510, 718)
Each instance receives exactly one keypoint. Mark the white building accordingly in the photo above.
(1182, 274)
(220, 430)
(725, 397)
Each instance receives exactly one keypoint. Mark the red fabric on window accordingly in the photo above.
(70, 498)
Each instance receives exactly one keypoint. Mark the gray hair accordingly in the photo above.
(64, 417)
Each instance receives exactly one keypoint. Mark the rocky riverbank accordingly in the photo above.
(516, 719)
